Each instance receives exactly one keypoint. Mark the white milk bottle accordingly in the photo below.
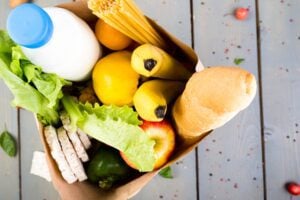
(55, 39)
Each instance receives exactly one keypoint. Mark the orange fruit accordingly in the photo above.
(110, 37)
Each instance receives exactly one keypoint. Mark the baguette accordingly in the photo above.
(211, 98)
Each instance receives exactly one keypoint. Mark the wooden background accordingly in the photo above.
(252, 156)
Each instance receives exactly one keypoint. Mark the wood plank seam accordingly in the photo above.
(196, 150)
(218, 177)
(260, 91)
(20, 156)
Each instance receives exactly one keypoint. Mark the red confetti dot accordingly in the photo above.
(293, 188)
(241, 13)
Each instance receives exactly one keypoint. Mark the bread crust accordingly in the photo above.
(211, 98)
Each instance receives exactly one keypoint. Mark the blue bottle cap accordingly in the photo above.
(29, 25)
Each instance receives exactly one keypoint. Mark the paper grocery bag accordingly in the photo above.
(87, 191)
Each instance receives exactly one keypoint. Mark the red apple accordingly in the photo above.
(164, 136)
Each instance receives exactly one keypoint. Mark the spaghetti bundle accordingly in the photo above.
(126, 17)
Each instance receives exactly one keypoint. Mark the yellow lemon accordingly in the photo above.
(114, 80)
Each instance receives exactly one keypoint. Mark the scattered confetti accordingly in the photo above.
(238, 61)
(235, 186)
(241, 13)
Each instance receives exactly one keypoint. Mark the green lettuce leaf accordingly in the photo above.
(73, 110)
(166, 172)
(8, 143)
(17, 56)
(124, 113)
(238, 61)
(6, 42)
(33, 90)
(25, 96)
(6, 45)
(114, 126)
(49, 85)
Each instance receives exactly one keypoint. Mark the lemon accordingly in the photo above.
(114, 80)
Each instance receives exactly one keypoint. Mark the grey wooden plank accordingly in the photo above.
(280, 48)
(230, 159)
(30, 142)
(182, 186)
(174, 16)
(33, 187)
(9, 167)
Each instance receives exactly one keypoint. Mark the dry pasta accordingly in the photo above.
(126, 17)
